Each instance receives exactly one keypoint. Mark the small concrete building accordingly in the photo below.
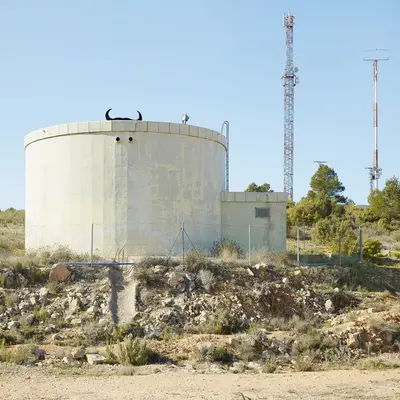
(130, 184)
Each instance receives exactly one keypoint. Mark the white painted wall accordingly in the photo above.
(238, 212)
(135, 193)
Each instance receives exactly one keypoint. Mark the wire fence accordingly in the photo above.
(345, 244)
(177, 238)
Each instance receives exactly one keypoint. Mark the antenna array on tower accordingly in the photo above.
(375, 171)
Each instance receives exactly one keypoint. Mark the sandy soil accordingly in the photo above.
(32, 383)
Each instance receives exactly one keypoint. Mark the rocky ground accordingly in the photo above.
(201, 317)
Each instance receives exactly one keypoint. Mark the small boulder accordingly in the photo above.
(93, 310)
(75, 305)
(40, 355)
(329, 306)
(56, 337)
(50, 329)
(94, 359)
(59, 273)
(43, 292)
(13, 325)
(78, 354)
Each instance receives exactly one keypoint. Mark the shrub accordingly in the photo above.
(222, 323)
(48, 255)
(19, 355)
(327, 232)
(395, 254)
(132, 330)
(312, 342)
(371, 248)
(143, 276)
(94, 334)
(395, 236)
(196, 260)
(8, 338)
(10, 298)
(54, 287)
(304, 364)
(206, 351)
(149, 262)
(226, 247)
(40, 315)
(372, 364)
(269, 368)
(133, 352)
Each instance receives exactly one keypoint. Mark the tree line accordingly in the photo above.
(328, 214)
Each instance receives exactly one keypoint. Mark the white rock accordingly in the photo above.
(76, 322)
(50, 329)
(13, 325)
(24, 306)
(329, 306)
(94, 359)
(56, 336)
(285, 280)
(103, 321)
(93, 310)
(43, 292)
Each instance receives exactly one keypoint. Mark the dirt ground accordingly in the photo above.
(26, 383)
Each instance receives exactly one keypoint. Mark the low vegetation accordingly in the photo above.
(214, 308)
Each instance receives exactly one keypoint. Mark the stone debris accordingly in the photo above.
(184, 301)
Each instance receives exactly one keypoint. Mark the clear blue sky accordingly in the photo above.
(213, 59)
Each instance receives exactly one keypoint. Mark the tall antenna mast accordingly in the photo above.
(375, 171)
(289, 81)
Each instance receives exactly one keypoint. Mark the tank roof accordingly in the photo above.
(76, 128)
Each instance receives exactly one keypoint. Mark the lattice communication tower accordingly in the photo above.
(289, 81)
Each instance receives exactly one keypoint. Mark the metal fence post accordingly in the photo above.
(183, 242)
(91, 247)
(249, 245)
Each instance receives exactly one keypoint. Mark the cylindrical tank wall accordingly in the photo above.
(135, 192)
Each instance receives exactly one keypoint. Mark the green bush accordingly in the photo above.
(226, 245)
(122, 331)
(20, 355)
(133, 352)
(8, 338)
(395, 254)
(206, 351)
(328, 231)
(371, 248)
(223, 322)
(312, 342)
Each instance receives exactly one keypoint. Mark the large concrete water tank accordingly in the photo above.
(134, 181)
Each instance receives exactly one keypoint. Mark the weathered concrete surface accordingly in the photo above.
(238, 212)
(136, 193)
